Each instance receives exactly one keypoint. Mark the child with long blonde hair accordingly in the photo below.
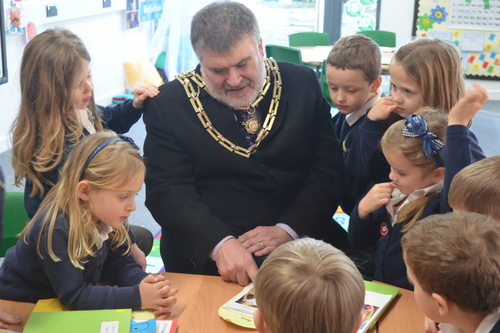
(424, 72)
(78, 237)
(57, 110)
(422, 169)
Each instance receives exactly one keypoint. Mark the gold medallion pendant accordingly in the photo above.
(252, 126)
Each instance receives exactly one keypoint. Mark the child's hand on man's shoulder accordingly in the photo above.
(142, 92)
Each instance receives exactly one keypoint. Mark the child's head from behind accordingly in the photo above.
(97, 186)
(453, 260)
(426, 72)
(308, 286)
(476, 188)
(410, 168)
(353, 72)
(55, 72)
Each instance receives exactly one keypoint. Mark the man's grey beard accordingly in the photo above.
(225, 99)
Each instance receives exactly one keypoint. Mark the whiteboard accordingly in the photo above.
(3, 51)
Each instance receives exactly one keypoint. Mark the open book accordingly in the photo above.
(239, 309)
(377, 299)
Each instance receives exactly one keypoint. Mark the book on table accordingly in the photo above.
(377, 299)
(57, 318)
(239, 309)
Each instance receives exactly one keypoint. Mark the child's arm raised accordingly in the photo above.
(457, 152)
(466, 108)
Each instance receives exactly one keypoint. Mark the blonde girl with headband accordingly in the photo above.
(424, 72)
(425, 151)
(78, 237)
(57, 110)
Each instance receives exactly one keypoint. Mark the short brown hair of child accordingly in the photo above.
(357, 52)
(457, 255)
(309, 286)
(476, 188)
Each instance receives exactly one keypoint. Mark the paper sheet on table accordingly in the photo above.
(239, 309)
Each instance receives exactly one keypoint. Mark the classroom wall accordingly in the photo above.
(109, 45)
(397, 16)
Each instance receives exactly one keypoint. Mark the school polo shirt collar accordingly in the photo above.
(101, 234)
(397, 196)
(485, 327)
(352, 118)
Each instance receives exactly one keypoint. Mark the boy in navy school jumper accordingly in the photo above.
(453, 261)
(413, 149)
(353, 73)
(475, 188)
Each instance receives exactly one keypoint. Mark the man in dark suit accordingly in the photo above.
(241, 155)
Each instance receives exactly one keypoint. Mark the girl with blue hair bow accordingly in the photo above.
(425, 151)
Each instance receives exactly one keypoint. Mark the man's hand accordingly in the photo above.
(7, 319)
(382, 109)
(466, 108)
(235, 263)
(263, 240)
(138, 256)
(143, 91)
(377, 197)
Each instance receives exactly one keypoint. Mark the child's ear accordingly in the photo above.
(439, 174)
(83, 190)
(259, 322)
(442, 304)
(358, 323)
(376, 84)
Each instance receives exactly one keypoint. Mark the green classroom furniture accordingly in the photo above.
(284, 53)
(14, 221)
(382, 38)
(324, 84)
(309, 39)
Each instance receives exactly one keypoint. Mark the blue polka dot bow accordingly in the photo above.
(415, 126)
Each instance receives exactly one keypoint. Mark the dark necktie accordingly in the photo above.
(249, 124)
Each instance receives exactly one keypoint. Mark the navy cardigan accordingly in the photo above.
(26, 277)
(378, 230)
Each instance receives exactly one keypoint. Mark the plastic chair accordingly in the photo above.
(324, 85)
(284, 53)
(382, 38)
(15, 219)
(309, 39)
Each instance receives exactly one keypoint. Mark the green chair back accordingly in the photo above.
(324, 84)
(382, 38)
(15, 219)
(284, 53)
(309, 39)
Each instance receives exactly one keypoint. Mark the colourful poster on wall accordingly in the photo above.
(472, 25)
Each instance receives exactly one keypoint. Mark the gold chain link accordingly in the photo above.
(194, 97)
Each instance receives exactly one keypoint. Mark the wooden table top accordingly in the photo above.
(200, 297)
(403, 315)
